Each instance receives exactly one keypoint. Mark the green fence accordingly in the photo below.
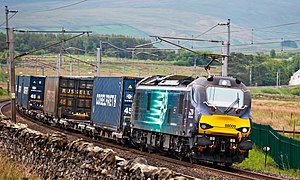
(285, 151)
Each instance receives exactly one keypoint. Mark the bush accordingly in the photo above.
(271, 91)
(3, 92)
(295, 91)
(286, 91)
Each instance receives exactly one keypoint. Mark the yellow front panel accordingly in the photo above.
(224, 125)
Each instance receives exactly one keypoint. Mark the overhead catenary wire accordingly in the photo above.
(60, 7)
(202, 33)
(207, 30)
(114, 46)
(256, 29)
(47, 46)
(8, 19)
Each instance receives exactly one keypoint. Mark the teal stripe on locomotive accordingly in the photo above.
(160, 110)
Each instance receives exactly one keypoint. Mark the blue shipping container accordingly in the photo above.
(19, 90)
(32, 92)
(112, 101)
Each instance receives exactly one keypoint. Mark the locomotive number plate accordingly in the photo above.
(230, 126)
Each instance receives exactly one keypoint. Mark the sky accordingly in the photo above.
(251, 20)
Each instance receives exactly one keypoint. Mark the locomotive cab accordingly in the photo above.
(223, 118)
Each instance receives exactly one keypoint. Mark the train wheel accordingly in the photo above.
(150, 149)
(191, 158)
(180, 156)
(141, 147)
(125, 142)
(228, 165)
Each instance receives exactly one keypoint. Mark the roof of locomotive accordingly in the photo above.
(171, 80)
(224, 81)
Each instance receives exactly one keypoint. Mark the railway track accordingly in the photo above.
(217, 171)
(3, 103)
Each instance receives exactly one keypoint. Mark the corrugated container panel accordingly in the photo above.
(127, 100)
(112, 101)
(25, 92)
(51, 95)
(19, 89)
(106, 103)
(75, 97)
(36, 92)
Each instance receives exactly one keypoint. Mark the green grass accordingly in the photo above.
(282, 91)
(256, 161)
(3, 92)
(10, 170)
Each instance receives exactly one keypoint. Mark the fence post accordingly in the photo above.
(272, 115)
(294, 129)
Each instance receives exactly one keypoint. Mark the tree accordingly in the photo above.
(272, 53)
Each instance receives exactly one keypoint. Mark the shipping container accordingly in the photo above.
(112, 101)
(30, 92)
(51, 95)
(69, 97)
(18, 90)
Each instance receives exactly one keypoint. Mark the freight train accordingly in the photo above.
(203, 119)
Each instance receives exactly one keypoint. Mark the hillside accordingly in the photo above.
(165, 17)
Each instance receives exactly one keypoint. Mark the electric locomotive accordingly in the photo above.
(204, 119)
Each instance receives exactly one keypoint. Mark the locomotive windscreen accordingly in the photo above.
(224, 97)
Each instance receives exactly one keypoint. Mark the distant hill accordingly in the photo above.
(167, 17)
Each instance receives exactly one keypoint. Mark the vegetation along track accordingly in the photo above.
(192, 171)
(3, 103)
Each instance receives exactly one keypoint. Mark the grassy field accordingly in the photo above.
(109, 67)
(281, 115)
(280, 91)
(256, 161)
(10, 170)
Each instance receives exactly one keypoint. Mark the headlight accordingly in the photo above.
(243, 129)
(205, 126)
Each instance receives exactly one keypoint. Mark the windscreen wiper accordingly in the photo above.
(227, 110)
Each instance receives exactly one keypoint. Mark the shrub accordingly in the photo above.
(271, 91)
